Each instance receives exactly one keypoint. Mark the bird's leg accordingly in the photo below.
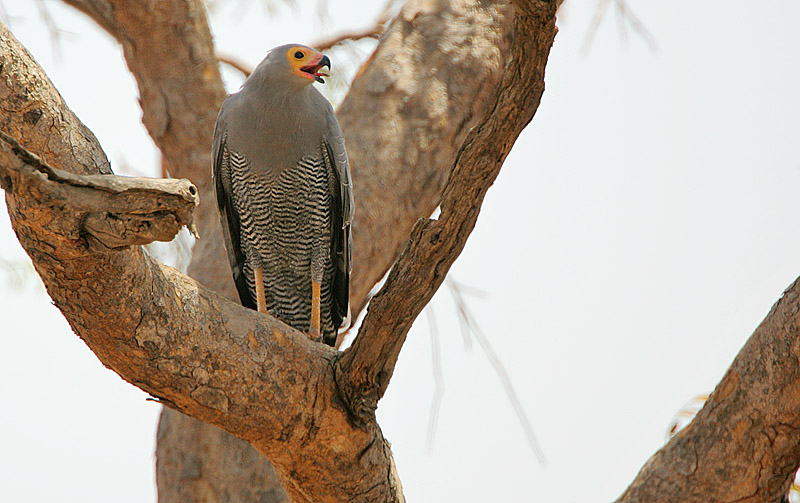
(261, 301)
(313, 330)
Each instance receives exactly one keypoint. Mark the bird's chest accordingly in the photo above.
(283, 209)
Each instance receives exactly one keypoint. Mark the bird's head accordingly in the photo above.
(301, 64)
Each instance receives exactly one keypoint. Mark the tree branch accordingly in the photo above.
(169, 50)
(196, 351)
(742, 445)
(364, 370)
(221, 363)
(235, 64)
(180, 342)
(428, 85)
(374, 31)
(114, 212)
(172, 337)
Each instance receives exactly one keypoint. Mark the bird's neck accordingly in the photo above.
(285, 106)
(290, 129)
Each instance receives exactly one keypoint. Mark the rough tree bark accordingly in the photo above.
(169, 50)
(744, 444)
(436, 69)
(187, 375)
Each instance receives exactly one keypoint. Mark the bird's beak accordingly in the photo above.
(315, 68)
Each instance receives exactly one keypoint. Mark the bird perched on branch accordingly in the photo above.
(284, 193)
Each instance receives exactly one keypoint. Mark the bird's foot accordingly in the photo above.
(314, 335)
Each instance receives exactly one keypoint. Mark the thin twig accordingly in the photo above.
(438, 377)
(625, 17)
(597, 19)
(463, 312)
(374, 31)
(52, 28)
(499, 369)
(235, 64)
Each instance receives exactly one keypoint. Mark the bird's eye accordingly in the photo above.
(299, 55)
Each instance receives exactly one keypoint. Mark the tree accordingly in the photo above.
(340, 391)
(210, 396)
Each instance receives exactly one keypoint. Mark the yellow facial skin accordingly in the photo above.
(303, 57)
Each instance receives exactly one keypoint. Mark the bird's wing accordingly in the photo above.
(342, 217)
(228, 214)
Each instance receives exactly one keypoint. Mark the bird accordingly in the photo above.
(284, 193)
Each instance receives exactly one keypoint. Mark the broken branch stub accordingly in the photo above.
(110, 212)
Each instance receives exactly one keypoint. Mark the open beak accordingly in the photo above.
(315, 68)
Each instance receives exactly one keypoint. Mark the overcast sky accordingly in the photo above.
(641, 228)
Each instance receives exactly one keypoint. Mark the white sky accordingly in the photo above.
(638, 233)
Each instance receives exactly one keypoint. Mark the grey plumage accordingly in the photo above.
(283, 189)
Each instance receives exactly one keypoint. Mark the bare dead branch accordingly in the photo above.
(117, 211)
(168, 47)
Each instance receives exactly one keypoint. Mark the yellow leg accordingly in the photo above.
(261, 301)
(313, 331)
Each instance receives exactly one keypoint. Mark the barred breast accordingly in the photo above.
(286, 230)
